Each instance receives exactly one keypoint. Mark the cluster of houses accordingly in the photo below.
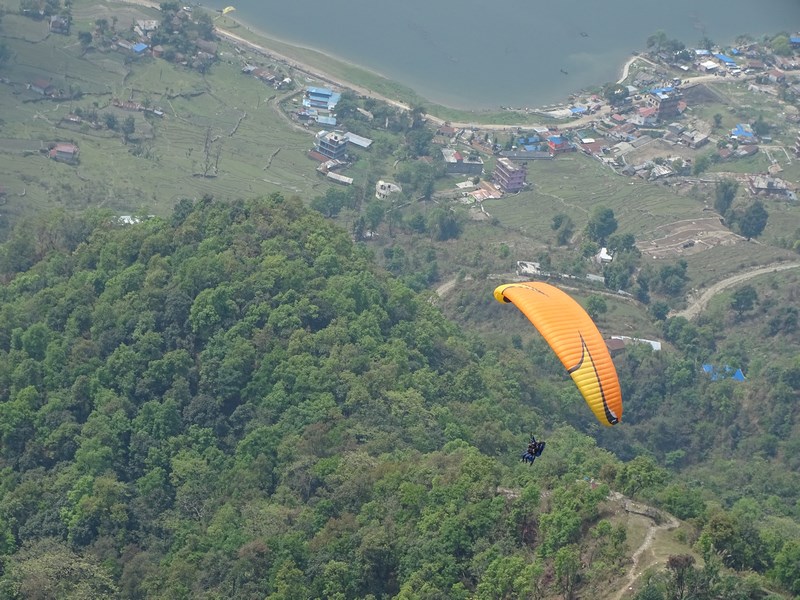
(268, 76)
(330, 150)
(140, 41)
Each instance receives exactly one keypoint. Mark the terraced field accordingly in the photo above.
(232, 143)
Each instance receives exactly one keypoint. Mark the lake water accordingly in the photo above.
(480, 54)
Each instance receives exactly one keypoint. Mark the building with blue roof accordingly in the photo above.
(742, 131)
(794, 40)
(729, 62)
(318, 97)
(139, 48)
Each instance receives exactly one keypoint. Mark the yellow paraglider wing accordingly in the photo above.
(575, 339)
(228, 9)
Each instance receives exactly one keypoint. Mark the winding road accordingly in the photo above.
(698, 304)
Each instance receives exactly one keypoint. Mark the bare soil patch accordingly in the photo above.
(683, 238)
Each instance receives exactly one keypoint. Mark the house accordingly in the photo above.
(558, 145)
(768, 186)
(343, 179)
(526, 155)
(59, 24)
(665, 100)
(743, 133)
(787, 63)
(694, 138)
(604, 256)
(709, 66)
(775, 76)
(646, 116)
(455, 162)
(725, 61)
(332, 144)
(383, 189)
(207, 47)
(265, 75)
(358, 140)
(509, 176)
(746, 150)
(654, 344)
(147, 25)
(615, 346)
(64, 152)
(318, 97)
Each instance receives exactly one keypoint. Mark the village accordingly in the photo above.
(653, 112)
(649, 110)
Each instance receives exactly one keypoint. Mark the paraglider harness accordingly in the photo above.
(534, 449)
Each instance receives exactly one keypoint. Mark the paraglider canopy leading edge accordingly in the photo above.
(575, 339)
(228, 9)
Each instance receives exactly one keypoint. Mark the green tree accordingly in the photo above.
(48, 568)
(781, 46)
(787, 567)
(331, 203)
(657, 41)
(601, 224)
(596, 306)
(701, 164)
(564, 227)
(567, 565)
(639, 474)
(614, 93)
(724, 194)
(128, 128)
(85, 38)
(744, 299)
(444, 224)
(111, 121)
(753, 220)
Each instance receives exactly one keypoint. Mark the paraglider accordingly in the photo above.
(228, 9)
(534, 449)
(575, 339)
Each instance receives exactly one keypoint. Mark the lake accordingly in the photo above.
(474, 54)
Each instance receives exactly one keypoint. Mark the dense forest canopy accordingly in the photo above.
(236, 402)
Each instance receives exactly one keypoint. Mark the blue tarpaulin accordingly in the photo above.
(727, 372)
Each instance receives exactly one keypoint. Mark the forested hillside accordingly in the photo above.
(236, 402)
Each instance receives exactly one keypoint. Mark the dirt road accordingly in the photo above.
(698, 304)
(638, 565)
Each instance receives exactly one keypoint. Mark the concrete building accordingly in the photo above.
(383, 189)
(665, 100)
(457, 163)
(332, 144)
(510, 176)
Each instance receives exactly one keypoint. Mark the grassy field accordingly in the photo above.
(166, 164)
(230, 126)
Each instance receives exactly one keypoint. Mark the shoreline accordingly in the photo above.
(262, 47)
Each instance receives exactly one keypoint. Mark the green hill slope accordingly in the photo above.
(235, 402)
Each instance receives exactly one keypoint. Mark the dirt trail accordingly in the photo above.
(637, 565)
(698, 304)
